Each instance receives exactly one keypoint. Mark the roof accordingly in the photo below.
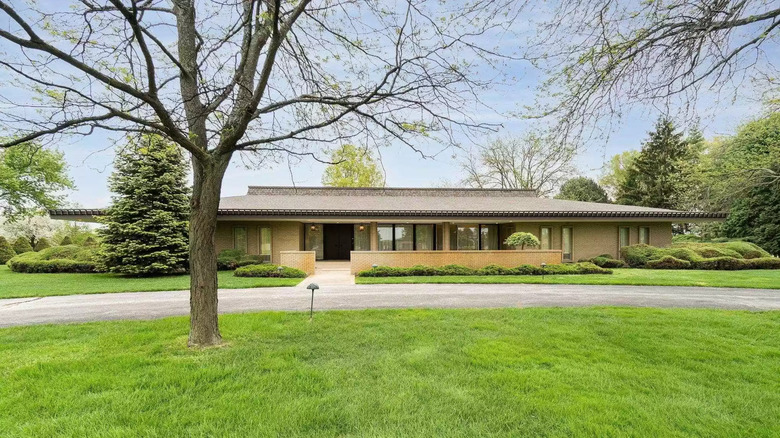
(309, 202)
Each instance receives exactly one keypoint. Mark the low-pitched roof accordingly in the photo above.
(342, 202)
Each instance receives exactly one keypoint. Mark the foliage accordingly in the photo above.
(522, 239)
(42, 244)
(757, 216)
(659, 176)
(616, 170)
(6, 251)
(269, 270)
(146, 227)
(458, 270)
(582, 189)
(66, 241)
(606, 261)
(353, 167)
(90, 241)
(536, 162)
(32, 228)
(711, 255)
(230, 259)
(76, 232)
(31, 177)
(22, 245)
(668, 262)
(71, 258)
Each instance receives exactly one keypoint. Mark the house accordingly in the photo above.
(297, 226)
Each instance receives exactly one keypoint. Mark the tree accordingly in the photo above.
(259, 79)
(582, 189)
(522, 239)
(42, 244)
(32, 228)
(6, 251)
(657, 177)
(533, 162)
(30, 178)
(146, 225)
(757, 216)
(352, 167)
(604, 58)
(616, 171)
(22, 245)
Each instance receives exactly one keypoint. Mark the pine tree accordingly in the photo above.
(146, 227)
(658, 176)
(6, 251)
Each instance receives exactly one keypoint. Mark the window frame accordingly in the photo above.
(549, 237)
(620, 237)
(246, 238)
(270, 242)
(571, 244)
(414, 236)
(647, 235)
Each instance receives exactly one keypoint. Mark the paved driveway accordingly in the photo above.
(150, 305)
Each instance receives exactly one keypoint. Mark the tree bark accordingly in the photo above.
(207, 184)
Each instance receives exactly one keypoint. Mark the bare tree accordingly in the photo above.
(531, 162)
(605, 56)
(269, 77)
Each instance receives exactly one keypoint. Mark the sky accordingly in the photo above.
(90, 158)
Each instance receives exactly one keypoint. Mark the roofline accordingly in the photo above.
(427, 189)
(680, 215)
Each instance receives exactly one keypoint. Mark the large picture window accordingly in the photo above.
(488, 237)
(404, 237)
(240, 241)
(408, 237)
(424, 237)
(385, 235)
(265, 244)
(472, 237)
(467, 237)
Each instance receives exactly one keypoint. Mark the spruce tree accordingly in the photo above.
(658, 176)
(6, 251)
(146, 227)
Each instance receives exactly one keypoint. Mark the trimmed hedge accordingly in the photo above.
(70, 258)
(6, 251)
(727, 256)
(605, 261)
(269, 270)
(490, 270)
(230, 259)
(735, 249)
(669, 262)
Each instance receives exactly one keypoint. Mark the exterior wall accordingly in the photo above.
(285, 236)
(363, 260)
(303, 260)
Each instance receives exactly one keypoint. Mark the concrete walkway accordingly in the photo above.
(330, 273)
(150, 305)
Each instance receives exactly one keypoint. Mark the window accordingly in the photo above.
(488, 237)
(362, 237)
(644, 235)
(467, 237)
(240, 241)
(545, 237)
(313, 240)
(265, 244)
(439, 237)
(404, 237)
(423, 237)
(385, 235)
(504, 231)
(624, 237)
(566, 238)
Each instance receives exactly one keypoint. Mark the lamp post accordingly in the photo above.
(312, 287)
(279, 270)
(544, 265)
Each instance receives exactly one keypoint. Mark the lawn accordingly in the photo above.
(16, 285)
(760, 279)
(490, 372)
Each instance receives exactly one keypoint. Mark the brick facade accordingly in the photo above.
(303, 260)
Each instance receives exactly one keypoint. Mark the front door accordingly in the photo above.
(337, 241)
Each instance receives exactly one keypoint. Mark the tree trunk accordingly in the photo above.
(207, 184)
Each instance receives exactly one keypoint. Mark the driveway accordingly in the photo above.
(150, 305)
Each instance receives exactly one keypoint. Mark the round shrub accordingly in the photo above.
(269, 270)
(42, 244)
(669, 262)
(22, 245)
(522, 239)
(6, 251)
(747, 249)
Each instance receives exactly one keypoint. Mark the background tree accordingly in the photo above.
(31, 228)
(531, 162)
(31, 178)
(615, 171)
(657, 177)
(352, 167)
(6, 251)
(522, 239)
(146, 225)
(268, 77)
(757, 216)
(582, 189)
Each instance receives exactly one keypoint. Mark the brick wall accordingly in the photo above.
(362, 260)
(303, 260)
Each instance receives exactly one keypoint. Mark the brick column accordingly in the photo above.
(373, 237)
(445, 239)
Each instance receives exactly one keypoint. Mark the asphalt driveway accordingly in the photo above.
(150, 305)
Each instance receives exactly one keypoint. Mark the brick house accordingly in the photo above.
(297, 226)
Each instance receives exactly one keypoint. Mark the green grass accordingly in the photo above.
(16, 285)
(501, 372)
(760, 279)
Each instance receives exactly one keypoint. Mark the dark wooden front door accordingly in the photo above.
(337, 241)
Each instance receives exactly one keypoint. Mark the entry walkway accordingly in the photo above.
(330, 273)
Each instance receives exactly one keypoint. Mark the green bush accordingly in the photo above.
(90, 241)
(66, 241)
(455, 270)
(71, 258)
(762, 263)
(637, 256)
(735, 249)
(575, 269)
(269, 270)
(669, 262)
(495, 270)
(6, 250)
(565, 269)
(230, 259)
(42, 244)
(22, 245)
(606, 262)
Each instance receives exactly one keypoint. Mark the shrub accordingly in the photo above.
(269, 270)
(575, 268)
(230, 259)
(6, 250)
(522, 239)
(747, 249)
(495, 270)
(66, 241)
(528, 270)
(42, 244)
(22, 245)
(719, 263)
(90, 241)
(669, 262)
(71, 258)
(762, 263)
(421, 271)
(578, 268)
(637, 256)
(455, 270)
(606, 262)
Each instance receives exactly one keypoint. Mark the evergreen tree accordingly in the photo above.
(757, 216)
(42, 243)
(146, 227)
(6, 251)
(66, 241)
(658, 176)
(582, 189)
(22, 245)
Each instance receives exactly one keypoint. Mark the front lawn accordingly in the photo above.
(16, 285)
(759, 279)
(490, 372)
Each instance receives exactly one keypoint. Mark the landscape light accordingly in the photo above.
(312, 287)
